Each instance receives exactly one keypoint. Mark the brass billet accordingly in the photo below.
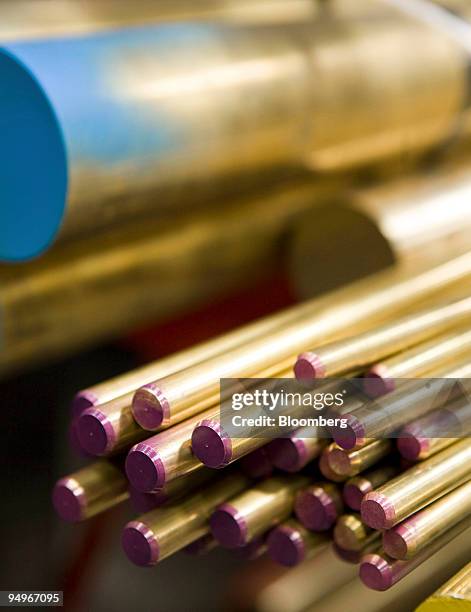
(423, 218)
(307, 111)
(67, 299)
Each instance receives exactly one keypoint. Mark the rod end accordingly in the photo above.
(211, 445)
(228, 527)
(150, 407)
(377, 511)
(375, 573)
(309, 366)
(95, 432)
(69, 501)
(144, 468)
(139, 544)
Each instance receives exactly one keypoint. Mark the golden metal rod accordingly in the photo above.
(162, 532)
(89, 491)
(418, 440)
(356, 352)
(415, 362)
(380, 573)
(357, 487)
(251, 513)
(413, 400)
(165, 457)
(351, 463)
(358, 232)
(414, 534)
(417, 487)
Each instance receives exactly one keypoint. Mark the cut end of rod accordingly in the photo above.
(228, 527)
(412, 447)
(316, 509)
(145, 469)
(69, 501)
(211, 445)
(355, 491)
(397, 542)
(352, 435)
(83, 400)
(140, 544)
(377, 382)
(150, 407)
(339, 461)
(377, 511)
(288, 454)
(95, 432)
(375, 573)
(286, 546)
(309, 366)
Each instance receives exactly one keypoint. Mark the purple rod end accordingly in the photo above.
(69, 501)
(150, 407)
(145, 469)
(139, 544)
(228, 527)
(211, 444)
(286, 546)
(95, 432)
(376, 573)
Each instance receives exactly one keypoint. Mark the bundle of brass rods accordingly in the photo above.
(297, 517)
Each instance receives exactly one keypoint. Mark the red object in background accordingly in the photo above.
(222, 315)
